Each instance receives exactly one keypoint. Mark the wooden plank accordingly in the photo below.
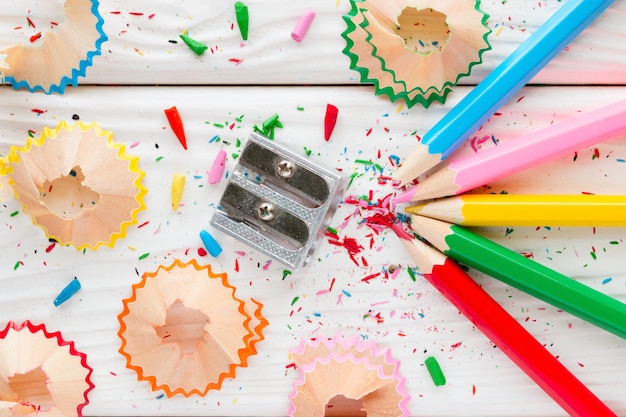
(139, 49)
(410, 317)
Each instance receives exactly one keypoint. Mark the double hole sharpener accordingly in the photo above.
(278, 202)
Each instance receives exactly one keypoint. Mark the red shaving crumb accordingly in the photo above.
(143, 224)
(49, 248)
(596, 153)
(377, 317)
(349, 243)
(370, 277)
(115, 12)
(151, 16)
(35, 37)
(176, 124)
(477, 142)
(202, 252)
(136, 13)
(330, 120)
(38, 111)
(378, 215)
(30, 22)
(290, 365)
(236, 265)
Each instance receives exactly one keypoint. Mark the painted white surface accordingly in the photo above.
(418, 322)
(139, 51)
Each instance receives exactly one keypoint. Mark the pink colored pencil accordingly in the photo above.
(521, 153)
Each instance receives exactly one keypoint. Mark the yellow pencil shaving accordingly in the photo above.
(178, 186)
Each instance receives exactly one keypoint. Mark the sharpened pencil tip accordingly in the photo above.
(415, 209)
(406, 196)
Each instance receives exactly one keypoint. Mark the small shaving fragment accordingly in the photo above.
(197, 47)
(210, 244)
(435, 371)
(178, 186)
(67, 292)
(330, 120)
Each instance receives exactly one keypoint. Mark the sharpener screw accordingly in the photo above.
(266, 211)
(285, 169)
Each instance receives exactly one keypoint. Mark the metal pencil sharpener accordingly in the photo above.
(278, 202)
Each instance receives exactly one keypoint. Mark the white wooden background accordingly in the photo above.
(296, 80)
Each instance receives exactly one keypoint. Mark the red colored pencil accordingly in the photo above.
(505, 332)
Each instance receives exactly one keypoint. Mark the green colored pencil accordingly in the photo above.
(524, 274)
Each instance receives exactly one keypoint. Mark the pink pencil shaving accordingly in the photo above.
(217, 170)
(302, 26)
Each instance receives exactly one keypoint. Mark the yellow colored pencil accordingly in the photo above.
(527, 210)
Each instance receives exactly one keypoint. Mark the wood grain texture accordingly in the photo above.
(416, 320)
(226, 100)
(139, 49)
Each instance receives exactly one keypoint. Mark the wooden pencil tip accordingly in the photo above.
(424, 255)
(415, 209)
(416, 164)
(434, 231)
(406, 196)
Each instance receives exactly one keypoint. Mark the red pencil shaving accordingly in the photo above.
(176, 123)
(330, 120)
(35, 37)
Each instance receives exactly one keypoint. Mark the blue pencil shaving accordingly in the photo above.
(210, 244)
(67, 292)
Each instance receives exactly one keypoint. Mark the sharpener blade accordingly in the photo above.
(278, 202)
